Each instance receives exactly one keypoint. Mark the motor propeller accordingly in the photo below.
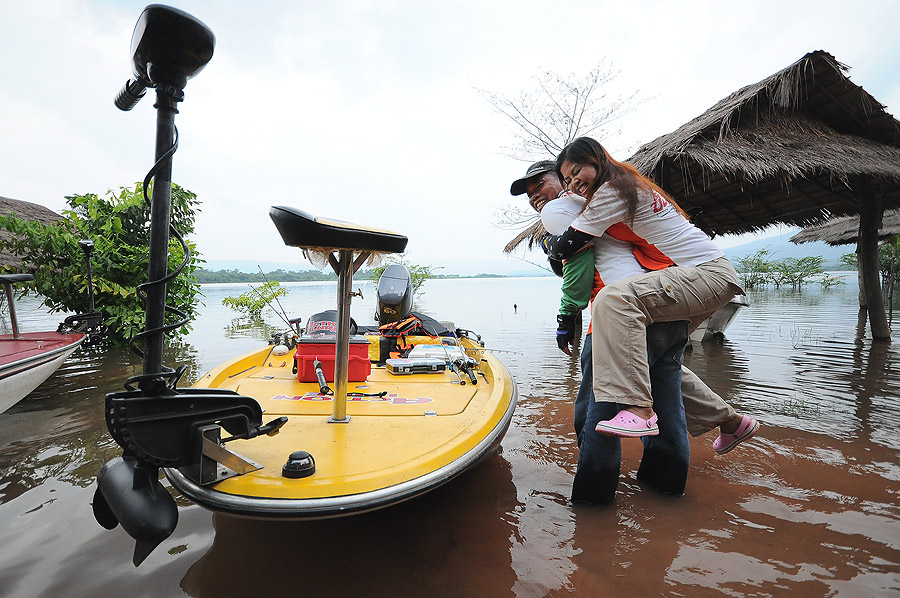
(129, 492)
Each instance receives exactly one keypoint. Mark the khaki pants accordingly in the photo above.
(623, 310)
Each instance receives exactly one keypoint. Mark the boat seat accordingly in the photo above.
(299, 229)
(13, 278)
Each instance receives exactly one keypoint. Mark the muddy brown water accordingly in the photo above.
(811, 507)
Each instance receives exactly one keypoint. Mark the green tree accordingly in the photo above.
(754, 269)
(850, 260)
(117, 224)
(828, 281)
(802, 270)
(251, 303)
(888, 257)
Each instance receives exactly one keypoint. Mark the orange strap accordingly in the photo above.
(646, 254)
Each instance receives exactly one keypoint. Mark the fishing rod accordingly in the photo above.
(284, 311)
(535, 264)
(266, 301)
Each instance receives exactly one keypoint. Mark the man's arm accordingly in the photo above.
(578, 280)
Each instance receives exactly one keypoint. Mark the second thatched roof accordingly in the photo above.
(845, 230)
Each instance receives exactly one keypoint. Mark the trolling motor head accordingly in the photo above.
(168, 47)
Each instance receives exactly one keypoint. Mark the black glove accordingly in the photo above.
(565, 333)
(556, 266)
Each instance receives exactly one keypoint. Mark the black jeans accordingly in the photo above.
(666, 458)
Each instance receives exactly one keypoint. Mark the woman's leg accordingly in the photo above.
(704, 408)
(623, 310)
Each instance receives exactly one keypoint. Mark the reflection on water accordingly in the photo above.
(811, 507)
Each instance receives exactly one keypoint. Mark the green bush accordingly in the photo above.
(118, 226)
(251, 303)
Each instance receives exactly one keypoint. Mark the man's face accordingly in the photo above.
(542, 189)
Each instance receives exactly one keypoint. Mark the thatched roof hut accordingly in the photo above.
(26, 211)
(792, 149)
(844, 230)
(796, 148)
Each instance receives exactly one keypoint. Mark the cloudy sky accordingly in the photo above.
(367, 111)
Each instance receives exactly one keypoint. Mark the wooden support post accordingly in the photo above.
(870, 212)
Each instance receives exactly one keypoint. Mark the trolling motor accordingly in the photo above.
(91, 322)
(156, 424)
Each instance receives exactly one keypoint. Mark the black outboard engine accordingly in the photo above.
(395, 294)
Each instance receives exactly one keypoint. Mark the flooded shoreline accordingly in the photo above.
(810, 507)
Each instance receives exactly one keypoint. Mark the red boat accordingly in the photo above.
(27, 359)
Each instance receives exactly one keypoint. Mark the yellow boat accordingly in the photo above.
(385, 434)
(406, 434)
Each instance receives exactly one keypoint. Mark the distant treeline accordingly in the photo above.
(218, 276)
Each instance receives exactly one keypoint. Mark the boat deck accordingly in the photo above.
(425, 429)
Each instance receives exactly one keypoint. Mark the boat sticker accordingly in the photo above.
(321, 326)
(392, 398)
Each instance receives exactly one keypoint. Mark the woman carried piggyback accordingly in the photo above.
(701, 281)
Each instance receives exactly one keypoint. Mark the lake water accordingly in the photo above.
(811, 507)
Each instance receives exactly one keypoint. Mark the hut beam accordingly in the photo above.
(871, 210)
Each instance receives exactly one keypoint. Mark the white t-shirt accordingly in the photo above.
(656, 221)
(613, 259)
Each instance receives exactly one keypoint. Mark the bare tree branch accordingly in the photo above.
(554, 112)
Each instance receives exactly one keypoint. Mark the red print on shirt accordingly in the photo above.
(659, 202)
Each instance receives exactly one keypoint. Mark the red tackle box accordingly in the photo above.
(310, 349)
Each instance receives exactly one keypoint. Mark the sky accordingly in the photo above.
(369, 112)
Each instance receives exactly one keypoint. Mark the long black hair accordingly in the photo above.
(623, 177)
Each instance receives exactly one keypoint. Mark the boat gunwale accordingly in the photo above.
(40, 358)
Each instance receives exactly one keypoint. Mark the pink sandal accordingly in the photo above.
(747, 429)
(629, 425)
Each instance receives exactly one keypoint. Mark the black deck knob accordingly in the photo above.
(299, 465)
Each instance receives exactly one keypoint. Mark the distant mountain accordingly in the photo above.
(781, 247)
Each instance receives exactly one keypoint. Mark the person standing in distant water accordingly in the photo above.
(515, 308)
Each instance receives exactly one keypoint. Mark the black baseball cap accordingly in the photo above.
(519, 186)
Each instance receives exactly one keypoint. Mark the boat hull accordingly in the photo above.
(426, 430)
(27, 361)
(715, 325)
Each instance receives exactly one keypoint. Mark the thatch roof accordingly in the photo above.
(845, 230)
(26, 211)
(530, 234)
(790, 149)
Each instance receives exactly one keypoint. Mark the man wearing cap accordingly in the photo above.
(705, 410)
(541, 184)
(665, 462)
